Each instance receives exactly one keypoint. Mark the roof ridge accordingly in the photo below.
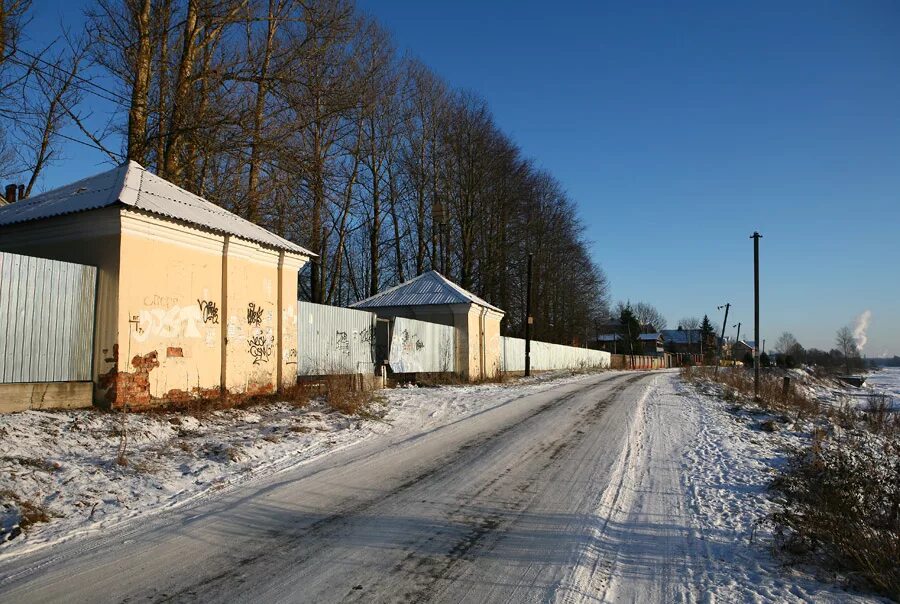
(447, 291)
(134, 186)
(391, 289)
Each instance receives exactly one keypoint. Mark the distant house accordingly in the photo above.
(611, 342)
(651, 343)
(741, 348)
(687, 341)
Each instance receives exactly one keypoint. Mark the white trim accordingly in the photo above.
(69, 227)
(250, 250)
(148, 226)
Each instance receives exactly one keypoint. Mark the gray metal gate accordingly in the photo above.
(421, 347)
(46, 319)
(334, 341)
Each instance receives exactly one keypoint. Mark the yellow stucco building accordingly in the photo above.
(192, 300)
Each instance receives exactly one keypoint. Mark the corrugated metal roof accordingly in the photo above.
(680, 336)
(425, 290)
(648, 336)
(133, 185)
(609, 337)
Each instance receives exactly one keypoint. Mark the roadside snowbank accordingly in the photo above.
(684, 517)
(63, 465)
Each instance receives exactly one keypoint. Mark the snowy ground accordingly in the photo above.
(829, 391)
(65, 462)
(683, 518)
(627, 487)
(886, 381)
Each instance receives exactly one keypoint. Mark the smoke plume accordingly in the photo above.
(859, 330)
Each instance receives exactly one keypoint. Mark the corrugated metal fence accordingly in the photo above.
(46, 320)
(546, 356)
(420, 347)
(333, 341)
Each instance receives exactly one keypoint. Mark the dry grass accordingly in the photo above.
(839, 502)
(28, 462)
(30, 513)
(738, 387)
(343, 393)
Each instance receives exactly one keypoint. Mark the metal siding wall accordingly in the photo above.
(545, 356)
(334, 341)
(420, 347)
(46, 319)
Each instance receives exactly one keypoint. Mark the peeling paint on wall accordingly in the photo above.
(177, 321)
(127, 387)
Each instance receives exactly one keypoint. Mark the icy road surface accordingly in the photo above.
(576, 493)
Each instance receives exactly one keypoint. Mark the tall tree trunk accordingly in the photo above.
(398, 248)
(375, 232)
(172, 168)
(164, 15)
(253, 192)
(137, 114)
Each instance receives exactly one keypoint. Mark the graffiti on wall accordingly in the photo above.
(261, 346)
(364, 336)
(291, 357)
(254, 314)
(342, 342)
(174, 322)
(421, 347)
(343, 339)
(160, 301)
(209, 311)
(411, 342)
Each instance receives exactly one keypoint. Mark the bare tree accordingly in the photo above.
(690, 325)
(47, 111)
(846, 343)
(301, 117)
(649, 315)
(786, 342)
(139, 10)
(13, 15)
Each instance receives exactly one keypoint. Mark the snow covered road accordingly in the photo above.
(495, 506)
(617, 487)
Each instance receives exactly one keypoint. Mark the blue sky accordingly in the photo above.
(679, 129)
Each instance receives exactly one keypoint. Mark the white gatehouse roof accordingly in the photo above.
(427, 289)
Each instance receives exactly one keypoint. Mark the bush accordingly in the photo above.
(840, 499)
(772, 395)
(344, 394)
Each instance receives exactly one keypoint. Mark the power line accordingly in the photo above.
(117, 96)
(87, 144)
(62, 79)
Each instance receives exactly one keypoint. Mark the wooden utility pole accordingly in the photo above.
(756, 237)
(727, 307)
(737, 339)
(528, 318)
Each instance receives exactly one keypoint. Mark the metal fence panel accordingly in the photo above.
(420, 347)
(546, 356)
(334, 340)
(46, 319)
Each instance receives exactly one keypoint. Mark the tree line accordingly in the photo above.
(845, 356)
(302, 116)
